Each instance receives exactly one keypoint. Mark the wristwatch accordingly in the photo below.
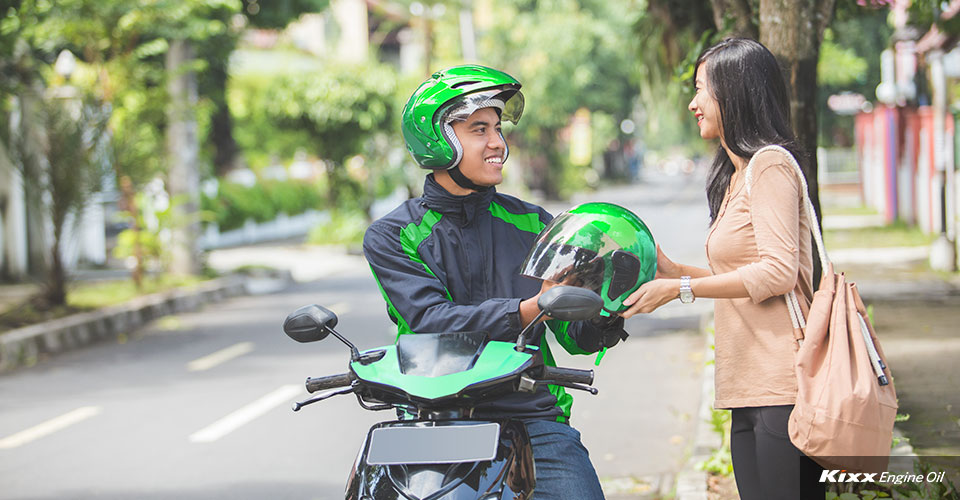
(686, 293)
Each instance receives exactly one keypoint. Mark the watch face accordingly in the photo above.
(686, 296)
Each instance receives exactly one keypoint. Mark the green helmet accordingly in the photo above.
(599, 246)
(425, 121)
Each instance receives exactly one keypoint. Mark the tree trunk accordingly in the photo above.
(221, 123)
(130, 205)
(55, 292)
(183, 181)
(739, 13)
(793, 30)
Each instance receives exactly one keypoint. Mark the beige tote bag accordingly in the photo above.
(846, 402)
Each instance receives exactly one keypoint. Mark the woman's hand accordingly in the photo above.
(666, 268)
(651, 295)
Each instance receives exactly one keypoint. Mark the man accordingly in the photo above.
(450, 260)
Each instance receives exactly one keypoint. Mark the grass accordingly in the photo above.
(848, 210)
(343, 228)
(85, 296)
(897, 234)
(98, 294)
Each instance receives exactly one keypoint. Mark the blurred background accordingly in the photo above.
(152, 146)
(140, 134)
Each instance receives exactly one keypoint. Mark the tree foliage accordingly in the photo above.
(562, 73)
(58, 149)
(332, 114)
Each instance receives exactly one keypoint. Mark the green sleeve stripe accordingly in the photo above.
(524, 222)
(402, 326)
(564, 400)
(559, 329)
(413, 235)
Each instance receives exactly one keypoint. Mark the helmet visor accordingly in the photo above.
(507, 102)
(512, 107)
(570, 251)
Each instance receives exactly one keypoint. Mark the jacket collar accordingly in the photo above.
(465, 208)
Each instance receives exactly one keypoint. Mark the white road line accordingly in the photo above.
(222, 356)
(49, 427)
(340, 308)
(244, 415)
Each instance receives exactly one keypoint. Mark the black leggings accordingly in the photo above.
(765, 463)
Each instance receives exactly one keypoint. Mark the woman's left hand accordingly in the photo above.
(651, 295)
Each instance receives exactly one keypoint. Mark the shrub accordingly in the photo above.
(262, 202)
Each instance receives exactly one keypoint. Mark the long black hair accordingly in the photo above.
(747, 83)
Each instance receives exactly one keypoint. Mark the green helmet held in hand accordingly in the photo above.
(599, 246)
(449, 95)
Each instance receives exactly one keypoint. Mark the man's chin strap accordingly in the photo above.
(463, 182)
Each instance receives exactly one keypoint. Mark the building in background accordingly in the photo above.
(906, 145)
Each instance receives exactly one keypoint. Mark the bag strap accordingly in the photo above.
(793, 305)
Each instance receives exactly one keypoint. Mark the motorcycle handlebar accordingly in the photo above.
(568, 375)
(315, 384)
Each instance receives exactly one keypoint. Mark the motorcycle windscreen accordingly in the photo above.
(570, 251)
(436, 354)
(433, 445)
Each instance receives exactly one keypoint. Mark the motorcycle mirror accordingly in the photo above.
(309, 323)
(570, 303)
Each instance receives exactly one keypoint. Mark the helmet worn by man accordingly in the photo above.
(599, 246)
(451, 95)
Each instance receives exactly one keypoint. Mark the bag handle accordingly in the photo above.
(793, 305)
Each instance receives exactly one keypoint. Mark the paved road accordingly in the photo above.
(197, 406)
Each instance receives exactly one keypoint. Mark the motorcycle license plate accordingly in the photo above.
(433, 445)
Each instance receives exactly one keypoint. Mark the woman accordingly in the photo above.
(758, 248)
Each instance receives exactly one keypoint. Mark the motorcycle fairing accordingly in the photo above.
(469, 367)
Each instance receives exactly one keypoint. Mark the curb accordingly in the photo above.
(24, 346)
(692, 482)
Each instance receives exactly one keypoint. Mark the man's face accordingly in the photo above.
(483, 147)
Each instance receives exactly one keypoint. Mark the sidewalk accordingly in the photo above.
(916, 313)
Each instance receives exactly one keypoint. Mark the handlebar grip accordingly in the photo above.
(329, 382)
(568, 375)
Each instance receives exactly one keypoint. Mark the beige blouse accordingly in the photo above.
(764, 236)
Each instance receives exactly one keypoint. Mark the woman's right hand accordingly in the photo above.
(666, 268)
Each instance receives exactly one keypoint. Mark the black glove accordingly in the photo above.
(611, 329)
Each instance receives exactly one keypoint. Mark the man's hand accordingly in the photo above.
(611, 330)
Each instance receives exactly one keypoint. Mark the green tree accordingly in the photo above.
(63, 173)
(669, 35)
(336, 111)
(562, 73)
(222, 147)
(849, 62)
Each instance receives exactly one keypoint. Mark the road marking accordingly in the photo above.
(340, 308)
(244, 415)
(49, 427)
(221, 356)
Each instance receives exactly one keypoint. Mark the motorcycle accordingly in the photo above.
(440, 451)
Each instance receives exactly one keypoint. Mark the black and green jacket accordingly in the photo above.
(449, 263)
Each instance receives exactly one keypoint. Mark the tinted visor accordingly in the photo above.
(570, 251)
(507, 101)
(512, 106)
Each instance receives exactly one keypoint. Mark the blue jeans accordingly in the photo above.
(563, 467)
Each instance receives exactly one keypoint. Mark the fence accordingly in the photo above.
(897, 156)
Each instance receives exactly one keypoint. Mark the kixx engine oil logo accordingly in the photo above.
(842, 476)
